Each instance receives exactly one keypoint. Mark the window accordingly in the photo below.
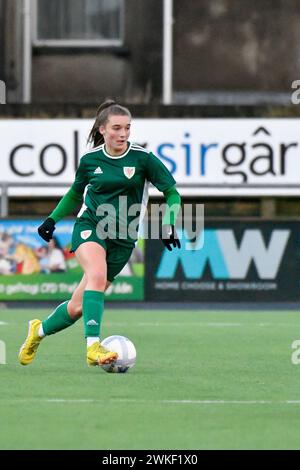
(78, 22)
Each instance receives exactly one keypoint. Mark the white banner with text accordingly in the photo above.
(207, 157)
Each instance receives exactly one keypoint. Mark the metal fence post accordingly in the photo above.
(4, 200)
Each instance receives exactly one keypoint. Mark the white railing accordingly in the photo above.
(5, 186)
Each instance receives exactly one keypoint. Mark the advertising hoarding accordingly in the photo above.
(239, 261)
(229, 157)
(31, 269)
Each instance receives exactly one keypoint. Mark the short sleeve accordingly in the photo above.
(81, 178)
(158, 174)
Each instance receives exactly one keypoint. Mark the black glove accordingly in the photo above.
(46, 229)
(169, 237)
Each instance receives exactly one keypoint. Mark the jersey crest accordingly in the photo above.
(129, 171)
(85, 234)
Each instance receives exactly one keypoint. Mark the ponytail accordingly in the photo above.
(107, 108)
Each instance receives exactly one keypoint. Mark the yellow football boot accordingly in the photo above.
(29, 348)
(97, 355)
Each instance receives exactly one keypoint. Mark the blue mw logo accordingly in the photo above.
(226, 259)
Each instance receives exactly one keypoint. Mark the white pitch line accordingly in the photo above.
(179, 324)
(2, 323)
(204, 324)
(176, 402)
(153, 402)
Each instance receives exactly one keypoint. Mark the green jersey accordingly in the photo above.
(115, 187)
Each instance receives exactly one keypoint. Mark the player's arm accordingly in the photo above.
(168, 232)
(66, 205)
(162, 179)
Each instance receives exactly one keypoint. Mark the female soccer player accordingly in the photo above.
(110, 179)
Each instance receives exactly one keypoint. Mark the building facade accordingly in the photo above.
(80, 51)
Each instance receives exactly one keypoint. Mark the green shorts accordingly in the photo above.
(117, 254)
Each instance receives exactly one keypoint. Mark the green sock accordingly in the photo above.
(58, 320)
(93, 302)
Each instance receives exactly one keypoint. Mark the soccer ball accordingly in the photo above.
(126, 352)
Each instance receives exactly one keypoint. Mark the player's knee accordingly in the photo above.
(97, 279)
(75, 309)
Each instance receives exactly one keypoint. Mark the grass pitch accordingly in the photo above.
(203, 380)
